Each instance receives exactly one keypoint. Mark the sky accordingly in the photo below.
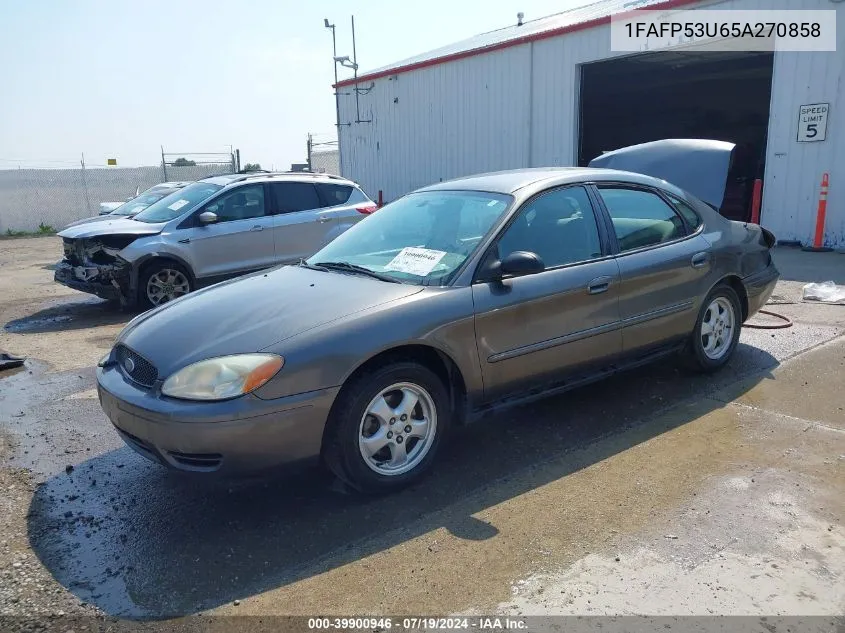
(121, 78)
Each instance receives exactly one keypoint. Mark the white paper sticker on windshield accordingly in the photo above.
(415, 261)
(178, 205)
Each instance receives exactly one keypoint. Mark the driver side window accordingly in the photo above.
(558, 226)
(242, 203)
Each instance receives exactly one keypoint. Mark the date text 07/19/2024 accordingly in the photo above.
(422, 623)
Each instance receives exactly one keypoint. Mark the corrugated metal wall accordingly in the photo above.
(518, 107)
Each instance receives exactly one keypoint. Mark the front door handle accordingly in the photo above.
(323, 219)
(599, 285)
(700, 260)
(257, 227)
(186, 240)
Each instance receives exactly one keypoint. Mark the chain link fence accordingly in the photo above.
(49, 199)
(325, 162)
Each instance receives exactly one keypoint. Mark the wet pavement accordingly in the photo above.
(634, 495)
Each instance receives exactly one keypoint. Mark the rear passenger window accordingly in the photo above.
(294, 196)
(692, 218)
(334, 195)
(641, 218)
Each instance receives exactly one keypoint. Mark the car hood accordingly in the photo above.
(698, 166)
(110, 226)
(96, 218)
(251, 313)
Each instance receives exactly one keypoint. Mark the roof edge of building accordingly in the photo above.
(517, 41)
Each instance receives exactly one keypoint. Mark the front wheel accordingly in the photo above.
(162, 282)
(717, 330)
(387, 426)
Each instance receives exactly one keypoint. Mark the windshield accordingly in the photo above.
(178, 203)
(422, 238)
(141, 202)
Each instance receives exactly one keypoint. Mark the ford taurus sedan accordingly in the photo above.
(453, 301)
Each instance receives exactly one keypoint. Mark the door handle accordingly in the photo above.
(323, 219)
(257, 227)
(700, 260)
(599, 285)
(186, 240)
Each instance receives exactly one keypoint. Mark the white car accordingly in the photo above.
(109, 208)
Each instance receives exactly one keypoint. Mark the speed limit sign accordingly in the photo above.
(812, 122)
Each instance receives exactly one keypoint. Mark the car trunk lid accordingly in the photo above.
(698, 166)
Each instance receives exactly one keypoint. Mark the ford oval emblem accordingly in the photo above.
(129, 365)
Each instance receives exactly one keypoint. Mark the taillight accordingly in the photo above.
(367, 209)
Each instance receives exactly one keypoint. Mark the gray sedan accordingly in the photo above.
(453, 301)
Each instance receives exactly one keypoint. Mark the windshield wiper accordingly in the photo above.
(354, 268)
(305, 264)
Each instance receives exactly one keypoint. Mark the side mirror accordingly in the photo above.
(521, 263)
(208, 217)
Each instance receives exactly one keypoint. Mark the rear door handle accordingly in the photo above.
(599, 285)
(186, 240)
(700, 260)
(257, 227)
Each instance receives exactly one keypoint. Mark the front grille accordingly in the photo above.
(197, 461)
(139, 445)
(136, 366)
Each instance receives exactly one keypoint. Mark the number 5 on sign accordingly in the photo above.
(812, 122)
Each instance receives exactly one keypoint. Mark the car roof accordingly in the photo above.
(281, 176)
(511, 181)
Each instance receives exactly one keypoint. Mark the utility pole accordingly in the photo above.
(163, 166)
(355, 70)
(309, 143)
(84, 184)
(335, 88)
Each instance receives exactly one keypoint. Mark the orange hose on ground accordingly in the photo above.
(770, 326)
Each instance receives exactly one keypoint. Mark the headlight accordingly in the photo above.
(222, 378)
(104, 360)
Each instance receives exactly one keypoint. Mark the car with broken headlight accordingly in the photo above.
(447, 304)
(208, 231)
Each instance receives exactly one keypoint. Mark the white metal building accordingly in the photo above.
(551, 92)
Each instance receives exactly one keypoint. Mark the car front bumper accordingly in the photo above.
(239, 435)
(759, 288)
(66, 275)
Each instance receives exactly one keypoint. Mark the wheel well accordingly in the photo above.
(438, 362)
(736, 283)
(158, 259)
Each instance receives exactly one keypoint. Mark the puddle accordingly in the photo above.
(29, 324)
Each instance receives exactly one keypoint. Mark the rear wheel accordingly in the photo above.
(162, 282)
(716, 331)
(386, 427)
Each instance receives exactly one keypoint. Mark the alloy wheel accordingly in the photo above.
(717, 328)
(166, 285)
(397, 429)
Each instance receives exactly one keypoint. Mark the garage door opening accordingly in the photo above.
(674, 94)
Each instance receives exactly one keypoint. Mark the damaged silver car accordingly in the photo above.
(208, 231)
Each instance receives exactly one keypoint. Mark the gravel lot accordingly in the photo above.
(652, 493)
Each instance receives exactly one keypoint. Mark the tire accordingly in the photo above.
(172, 278)
(361, 443)
(716, 333)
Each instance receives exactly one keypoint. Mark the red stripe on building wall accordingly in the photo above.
(570, 28)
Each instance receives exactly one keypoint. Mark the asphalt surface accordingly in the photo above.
(653, 492)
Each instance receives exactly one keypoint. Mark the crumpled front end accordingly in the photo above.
(94, 265)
